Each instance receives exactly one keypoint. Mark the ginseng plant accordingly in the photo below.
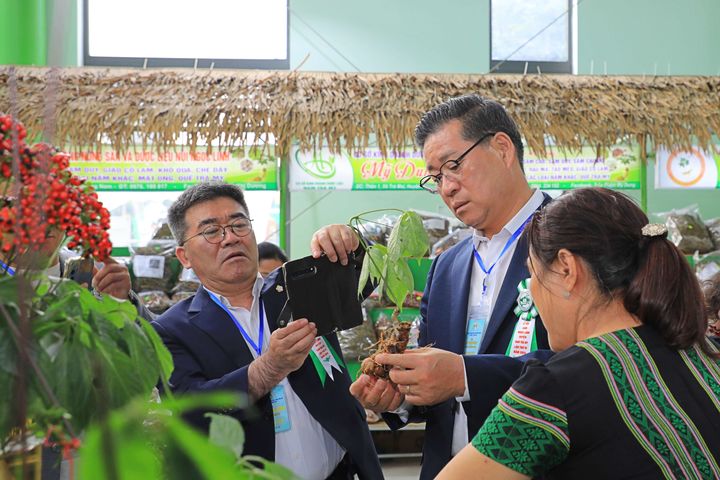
(387, 266)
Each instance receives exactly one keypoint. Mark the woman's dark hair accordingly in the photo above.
(270, 251)
(649, 274)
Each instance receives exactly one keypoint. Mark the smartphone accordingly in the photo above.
(80, 270)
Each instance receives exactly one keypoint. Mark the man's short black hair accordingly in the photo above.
(478, 115)
(270, 251)
(202, 192)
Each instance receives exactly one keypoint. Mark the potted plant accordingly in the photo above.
(388, 267)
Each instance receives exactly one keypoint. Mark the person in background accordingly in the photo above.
(270, 257)
(226, 338)
(635, 391)
(476, 312)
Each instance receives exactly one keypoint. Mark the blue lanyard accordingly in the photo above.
(509, 243)
(7, 268)
(256, 346)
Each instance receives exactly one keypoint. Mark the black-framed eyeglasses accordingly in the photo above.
(216, 233)
(449, 168)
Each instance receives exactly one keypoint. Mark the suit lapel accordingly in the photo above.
(214, 321)
(273, 296)
(458, 298)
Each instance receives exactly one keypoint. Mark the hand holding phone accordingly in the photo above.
(80, 270)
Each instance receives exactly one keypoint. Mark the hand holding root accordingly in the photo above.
(426, 376)
(392, 340)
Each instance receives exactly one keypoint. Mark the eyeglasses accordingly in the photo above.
(216, 233)
(450, 168)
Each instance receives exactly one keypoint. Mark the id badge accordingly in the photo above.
(477, 325)
(281, 415)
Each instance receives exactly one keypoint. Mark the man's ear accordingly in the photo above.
(504, 146)
(180, 254)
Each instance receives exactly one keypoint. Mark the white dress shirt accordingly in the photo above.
(489, 250)
(307, 448)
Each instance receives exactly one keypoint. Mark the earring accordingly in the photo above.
(566, 294)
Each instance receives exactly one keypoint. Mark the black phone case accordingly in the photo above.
(324, 292)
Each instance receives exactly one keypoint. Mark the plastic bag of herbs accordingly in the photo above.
(713, 226)
(154, 266)
(687, 230)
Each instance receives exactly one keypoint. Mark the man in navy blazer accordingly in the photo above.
(225, 338)
(477, 316)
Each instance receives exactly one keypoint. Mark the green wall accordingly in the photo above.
(390, 36)
(634, 37)
(23, 32)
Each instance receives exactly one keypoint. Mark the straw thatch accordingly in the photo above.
(122, 106)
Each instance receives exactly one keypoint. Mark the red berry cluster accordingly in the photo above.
(50, 198)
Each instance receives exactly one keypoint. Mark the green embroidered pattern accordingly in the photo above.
(524, 435)
(706, 371)
(649, 409)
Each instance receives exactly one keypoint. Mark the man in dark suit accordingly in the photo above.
(476, 312)
(226, 338)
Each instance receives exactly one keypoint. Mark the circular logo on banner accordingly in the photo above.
(686, 168)
(315, 165)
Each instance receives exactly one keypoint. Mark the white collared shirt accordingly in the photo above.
(489, 250)
(307, 448)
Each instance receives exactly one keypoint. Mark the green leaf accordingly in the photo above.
(373, 264)
(210, 460)
(215, 400)
(399, 282)
(408, 238)
(163, 354)
(227, 432)
(128, 442)
(164, 446)
(70, 376)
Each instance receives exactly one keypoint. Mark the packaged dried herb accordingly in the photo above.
(713, 226)
(687, 231)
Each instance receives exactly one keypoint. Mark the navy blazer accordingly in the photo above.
(210, 354)
(490, 373)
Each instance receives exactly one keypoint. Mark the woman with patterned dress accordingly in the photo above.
(635, 389)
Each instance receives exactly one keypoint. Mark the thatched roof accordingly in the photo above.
(335, 108)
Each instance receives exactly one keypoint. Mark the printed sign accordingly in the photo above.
(617, 168)
(363, 170)
(143, 170)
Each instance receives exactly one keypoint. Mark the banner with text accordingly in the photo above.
(364, 170)
(146, 170)
(618, 168)
(696, 168)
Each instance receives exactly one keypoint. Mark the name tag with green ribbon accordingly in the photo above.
(523, 339)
